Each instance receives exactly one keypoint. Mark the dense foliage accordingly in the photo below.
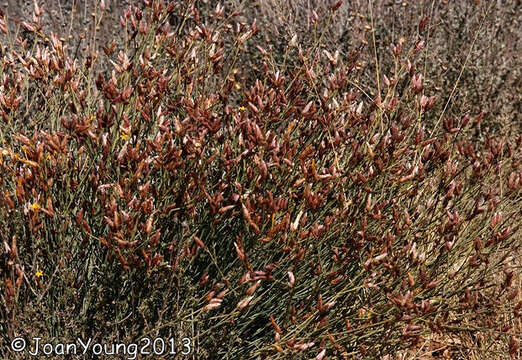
(148, 190)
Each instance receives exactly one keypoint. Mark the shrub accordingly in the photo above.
(483, 35)
(297, 217)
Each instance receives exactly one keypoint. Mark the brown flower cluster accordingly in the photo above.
(300, 216)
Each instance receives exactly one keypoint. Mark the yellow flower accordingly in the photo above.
(35, 206)
(241, 108)
(38, 274)
(124, 136)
